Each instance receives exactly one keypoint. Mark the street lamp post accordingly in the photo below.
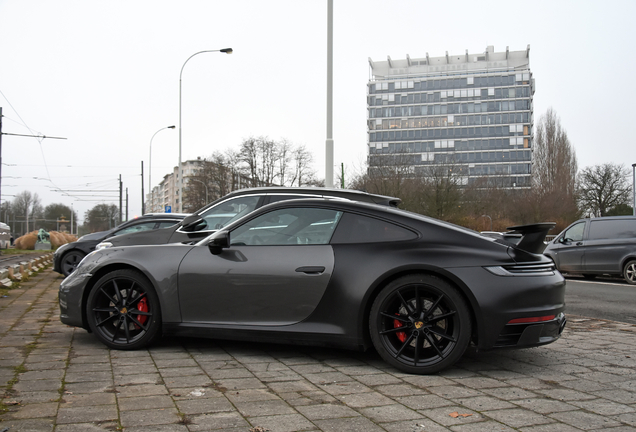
(179, 174)
(634, 189)
(150, 165)
(329, 141)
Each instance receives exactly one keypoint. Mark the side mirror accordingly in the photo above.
(220, 241)
(191, 220)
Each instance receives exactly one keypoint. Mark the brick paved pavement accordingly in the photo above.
(56, 378)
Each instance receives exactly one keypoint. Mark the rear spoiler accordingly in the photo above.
(532, 236)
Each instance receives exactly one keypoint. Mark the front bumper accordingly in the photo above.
(71, 299)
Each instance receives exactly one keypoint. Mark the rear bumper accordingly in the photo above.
(531, 334)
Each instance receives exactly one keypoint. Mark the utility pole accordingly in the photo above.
(342, 182)
(0, 154)
(126, 203)
(120, 198)
(143, 201)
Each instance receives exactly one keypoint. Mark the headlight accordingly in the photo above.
(103, 245)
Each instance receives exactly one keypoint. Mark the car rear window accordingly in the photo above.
(612, 229)
(356, 228)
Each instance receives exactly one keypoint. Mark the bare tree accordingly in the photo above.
(268, 162)
(216, 176)
(259, 155)
(442, 191)
(303, 173)
(387, 174)
(27, 205)
(603, 187)
(284, 151)
(553, 172)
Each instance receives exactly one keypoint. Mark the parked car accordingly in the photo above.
(326, 272)
(591, 247)
(231, 207)
(68, 256)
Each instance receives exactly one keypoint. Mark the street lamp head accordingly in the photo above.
(227, 50)
(171, 127)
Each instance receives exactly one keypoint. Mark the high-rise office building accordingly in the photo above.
(471, 113)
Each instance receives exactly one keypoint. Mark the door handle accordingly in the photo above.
(579, 243)
(310, 269)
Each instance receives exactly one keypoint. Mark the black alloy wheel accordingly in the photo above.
(629, 272)
(123, 310)
(420, 324)
(70, 261)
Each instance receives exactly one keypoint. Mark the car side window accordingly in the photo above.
(166, 224)
(289, 226)
(228, 211)
(612, 229)
(355, 228)
(574, 233)
(137, 228)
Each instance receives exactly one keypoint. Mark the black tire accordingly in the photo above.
(629, 272)
(117, 314)
(435, 319)
(70, 261)
(589, 276)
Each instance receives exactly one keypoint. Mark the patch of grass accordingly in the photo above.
(184, 419)
(3, 408)
(30, 347)
(20, 251)
(20, 369)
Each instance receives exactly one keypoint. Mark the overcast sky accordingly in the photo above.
(105, 75)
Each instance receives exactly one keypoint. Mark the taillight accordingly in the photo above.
(531, 319)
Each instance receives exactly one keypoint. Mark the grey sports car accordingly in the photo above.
(327, 272)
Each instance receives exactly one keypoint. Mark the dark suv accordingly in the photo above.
(221, 212)
(604, 245)
(68, 256)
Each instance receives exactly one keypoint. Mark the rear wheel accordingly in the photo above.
(123, 310)
(629, 272)
(420, 324)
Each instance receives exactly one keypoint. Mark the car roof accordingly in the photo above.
(151, 216)
(332, 192)
(392, 213)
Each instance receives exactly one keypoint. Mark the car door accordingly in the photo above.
(275, 271)
(569, 248)
(609, 241)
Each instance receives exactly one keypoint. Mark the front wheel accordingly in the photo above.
(420, 324)
(123, 310)
(629, 272)
(70, 261)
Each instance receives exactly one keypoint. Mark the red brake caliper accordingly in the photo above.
(142, 306)
(401, 335)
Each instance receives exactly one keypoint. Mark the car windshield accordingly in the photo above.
(228, 211)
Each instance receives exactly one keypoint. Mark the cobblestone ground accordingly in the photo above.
(56, 378)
